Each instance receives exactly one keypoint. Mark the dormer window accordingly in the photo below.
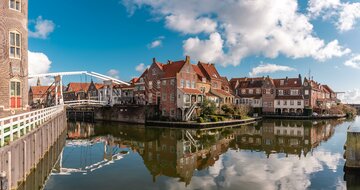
(15, 5)
(214, 75)
(15, 45)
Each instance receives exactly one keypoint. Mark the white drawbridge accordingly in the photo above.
(58, 81)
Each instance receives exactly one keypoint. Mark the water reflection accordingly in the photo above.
(272, 154)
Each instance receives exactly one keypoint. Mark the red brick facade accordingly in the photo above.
(13, 57)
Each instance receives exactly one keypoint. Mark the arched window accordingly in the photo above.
(15, 45)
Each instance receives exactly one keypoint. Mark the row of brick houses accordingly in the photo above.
(178, 85)
(177, 88)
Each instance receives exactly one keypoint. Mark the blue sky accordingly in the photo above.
(116, 35)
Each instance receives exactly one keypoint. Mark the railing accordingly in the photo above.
(13, 127)
(190, 112)
(85, 102)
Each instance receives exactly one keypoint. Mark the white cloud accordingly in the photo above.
(43, 28)
(205, 50)
(353, 62)
(113, 73)
(39, 63)
(350, 96)
(154, 44)
(346, 14)
(238, 29)
(190, 25)
(141, 67)
(269, 68)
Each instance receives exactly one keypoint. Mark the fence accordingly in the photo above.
(13, 127)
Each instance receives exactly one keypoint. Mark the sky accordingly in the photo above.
(244, 38)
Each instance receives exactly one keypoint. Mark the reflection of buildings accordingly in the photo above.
(289, 137)
(80, 130)
(178, 153)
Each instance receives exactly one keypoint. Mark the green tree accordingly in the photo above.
(208, 107)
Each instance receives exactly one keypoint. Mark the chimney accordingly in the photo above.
(154, 60)
(187, 59)
(169, 62)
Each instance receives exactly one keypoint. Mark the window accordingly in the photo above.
(141, 80)
(187, 98)
(278, 102)
(158, 83)
(172, 97)
(163, 112)
(192, 84)
(251, 91)
(164, 97)
(268, 91)
(243, 91)
(164, 82)
(306, 92)
(292, 102)
(154, 72)
(15, 94)
(15, 5)
(294, 92)
(202, 89)
(281, 92)
(150, 84)
(172, 82)
(188, 84)
(15, 45)
(299, 103)
(285, 102)
(258, 91)
(150, 98)
(172, 112)
(182, 83)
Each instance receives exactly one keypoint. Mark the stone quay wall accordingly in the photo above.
(18, 159)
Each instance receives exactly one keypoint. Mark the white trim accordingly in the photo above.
(16, 47)
(14, 9)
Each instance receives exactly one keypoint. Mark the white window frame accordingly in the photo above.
(15, 46)
(14, 8)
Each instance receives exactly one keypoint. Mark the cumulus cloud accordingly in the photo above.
(141, 67)
(39, 63)
(113, 73)
(351, 96)
(238, 29)
(346, 14)
(42, 28)
(354, 62)
(269, 68)
(205, 50)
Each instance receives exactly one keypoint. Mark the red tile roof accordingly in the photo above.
(172, 68)
(288, 82)
(41, 91)
(328, 89)
(209, 70)
(220, 92)
(190, 91)
(198, 71)
(78, 86)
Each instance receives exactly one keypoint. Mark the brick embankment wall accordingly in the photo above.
(352, 152)
(18, 159)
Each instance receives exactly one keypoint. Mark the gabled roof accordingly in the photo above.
(198, 71)
(209, 70)
(288, 82)
(328, 89)
(172, 68)
(78, 86)
(41, 91)
(247, 82)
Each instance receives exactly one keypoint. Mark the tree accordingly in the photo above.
(208, 107)
(227, 109)
(243, 110)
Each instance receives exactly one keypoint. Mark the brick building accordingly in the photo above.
(13, 56)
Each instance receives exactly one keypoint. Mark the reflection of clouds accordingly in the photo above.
(245, 170)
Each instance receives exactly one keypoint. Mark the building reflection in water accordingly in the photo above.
(178, 153)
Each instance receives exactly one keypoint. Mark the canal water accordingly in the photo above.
(271, 154)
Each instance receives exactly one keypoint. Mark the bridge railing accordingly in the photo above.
(13, 127)
(83, 102)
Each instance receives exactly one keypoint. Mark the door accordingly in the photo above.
(15, 94)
